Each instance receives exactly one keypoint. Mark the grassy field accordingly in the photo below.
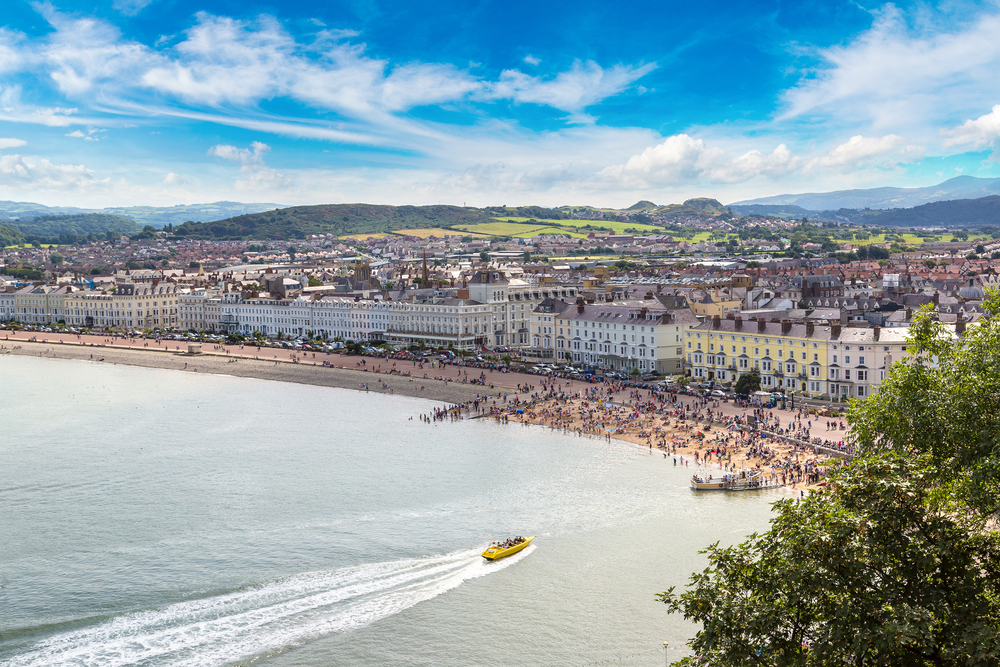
(362, 237)
(911, 239)
(439, 232)
(503, 228)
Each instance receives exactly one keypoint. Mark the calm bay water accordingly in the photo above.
(153, 517)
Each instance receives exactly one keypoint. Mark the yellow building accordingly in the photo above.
(711, 305)
(788, 356)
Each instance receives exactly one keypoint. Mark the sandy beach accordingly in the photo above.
(282, 370)
(679, 428)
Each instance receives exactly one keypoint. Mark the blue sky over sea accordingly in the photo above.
(125, 102)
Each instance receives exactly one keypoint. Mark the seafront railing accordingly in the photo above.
(817, 448)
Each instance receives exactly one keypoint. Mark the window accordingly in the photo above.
(861, 361)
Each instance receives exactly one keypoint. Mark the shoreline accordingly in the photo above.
(279, 371)
(669, 435)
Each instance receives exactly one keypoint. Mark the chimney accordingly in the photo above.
(835, 330)
(730, 316)
(761, 325)
(716, 322)
(463, 294)
(878, 331)
(810, 328)
(739, 323)
(786, 326)
(937, 297)
(775, 319)
(959, 326)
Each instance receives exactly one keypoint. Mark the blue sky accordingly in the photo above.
(161, 102)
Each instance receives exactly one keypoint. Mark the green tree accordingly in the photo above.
(873, 572)
(980, 248)
(484, 256)
(898, 563)
(56, 258)
(748, 382)
(315, 282)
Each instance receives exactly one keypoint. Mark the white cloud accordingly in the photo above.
(174, 179)
(89, 135)
(908, 73)
(11, 143)
(860, 151)
(246, 156)
(753, 163)
(40, 174)
(979, 133)
(254, 174)
(11, 50)
(681, 159)
(532, 60)
(583, 85)
(130, 7)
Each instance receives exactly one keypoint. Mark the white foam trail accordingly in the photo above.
(260, 620)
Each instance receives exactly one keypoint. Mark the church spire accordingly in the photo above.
(425, 278)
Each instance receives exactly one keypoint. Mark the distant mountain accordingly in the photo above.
(643, 206)
(10, 210)
(960, 187)
(160, 216)
(156, 216)
(981, 212)
(298, 222)
(80, 226)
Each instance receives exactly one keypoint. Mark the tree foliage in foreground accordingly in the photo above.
(898, 563)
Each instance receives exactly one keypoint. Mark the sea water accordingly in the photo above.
(152, 517)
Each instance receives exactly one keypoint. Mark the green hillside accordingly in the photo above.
(10, 236)
(698, 207)
(160, 216)
(299, 222)
(55, 226)
(948, 214)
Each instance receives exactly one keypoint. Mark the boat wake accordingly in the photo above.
(263, 619)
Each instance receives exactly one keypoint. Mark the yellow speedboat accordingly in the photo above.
(496, 552)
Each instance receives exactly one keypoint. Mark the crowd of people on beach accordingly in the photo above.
(677, 425)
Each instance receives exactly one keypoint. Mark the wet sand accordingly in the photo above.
(283, 370)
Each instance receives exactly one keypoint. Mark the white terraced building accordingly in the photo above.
(492, 311)
(643, 335)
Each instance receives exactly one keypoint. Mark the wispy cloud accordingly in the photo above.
(908, 72)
